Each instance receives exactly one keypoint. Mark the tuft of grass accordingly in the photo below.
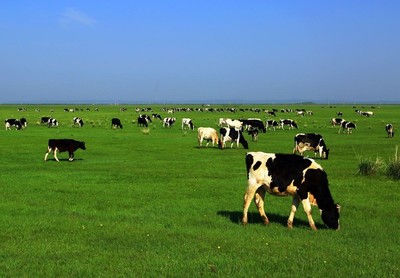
(368, 167)
(393, 167)
(146, 131)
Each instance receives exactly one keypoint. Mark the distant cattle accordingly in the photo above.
(339, 114)
(389, 130)
(52, 122)
(232, 135)
(290, 123)
(78, 121)
(63, 145)
(310, 142)
(143, 120)
(168, 122)
(336, 121)
(349, 126)
(289, 175)
(116, 123)
(210, 135)
(8, 123)
(254, 123)
(271, 124)
(156, 116)
(187, 123)
(253, 132)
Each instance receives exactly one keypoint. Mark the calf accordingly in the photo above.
(168, 122)
(289, 175)
(310, 142)
(389, 130)
(208, 134)
(116, 123)
(186, 122)
(78, 121)
(63, 145)
(12, 122)
(232, 135)
(292, 124)
(349, 126)
(271, 124)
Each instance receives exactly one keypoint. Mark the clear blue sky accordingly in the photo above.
(199, 51)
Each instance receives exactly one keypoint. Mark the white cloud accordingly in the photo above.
(71, 16)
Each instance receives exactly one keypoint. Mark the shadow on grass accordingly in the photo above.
(255, 218)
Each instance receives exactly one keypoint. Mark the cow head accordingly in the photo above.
(325, 153)
(331, 217)
(82, 146)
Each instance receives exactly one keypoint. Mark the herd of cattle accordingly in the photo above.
(278, 174)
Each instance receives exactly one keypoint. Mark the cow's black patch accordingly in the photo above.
(257, 165)
(249, 162)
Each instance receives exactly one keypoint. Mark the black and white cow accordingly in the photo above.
(337, 121)
(254, 123)
(187, 123)
(210, 135)
(52, 122)
(24, 122)
(310, 142)
(116, 123)
(63, 145)
(271, 124)
(253, 132)
(156, 116)
(144, 120)
(78, 121)
(232, 135)
(349, 126)
(292, 124)
(289, 175)
(44, 120)
(389, 130)
(168, 122)
(8, 123)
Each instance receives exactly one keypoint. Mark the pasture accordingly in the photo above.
(149, 203)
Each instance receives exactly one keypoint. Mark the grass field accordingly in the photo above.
(150, 203)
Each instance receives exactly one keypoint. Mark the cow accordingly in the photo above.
(349, 126)
(24, 122)
(337, 121)
(186, 122)
(52, 122)
(156, 116)
(253, 132)
(78, 121)
(63, 145)
(289, 175)
(168, 122)
(271, 124)
(116, 123)
(44, 120)
(208, 134)
(292, 124)
(232, 135)
(389, 130)
(254, 123)
(234, 124)
(143, 120)
(310, 142)
(12, 122)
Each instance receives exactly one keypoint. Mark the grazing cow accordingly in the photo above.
(142, 122)
(24, 122)
(44, 120)
(232, 135)
(234, 123)
(389, 130)
(186, 122)
(339, 114)
(78, 121)
(310, 142)
(156, 116)
(349, 126)
(254, 133)
(292, 124)
(254, 123)
(64, 145)
(271, 124)
(208, 134)
(168, 122)
(146, 117)
(116, 123)
(337, 121)
(52, 122)
(289, 175)
(12, 122)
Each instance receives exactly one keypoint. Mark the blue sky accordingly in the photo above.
(199, 51)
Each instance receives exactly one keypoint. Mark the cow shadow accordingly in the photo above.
(255, 218)
(64, 159)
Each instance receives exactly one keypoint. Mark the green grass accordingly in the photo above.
(149, 203)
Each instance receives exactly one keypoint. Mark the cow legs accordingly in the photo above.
(307, 209)
(295, 205)
(55, 155)
(71, 156)
(259, 201)
(248, 196)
